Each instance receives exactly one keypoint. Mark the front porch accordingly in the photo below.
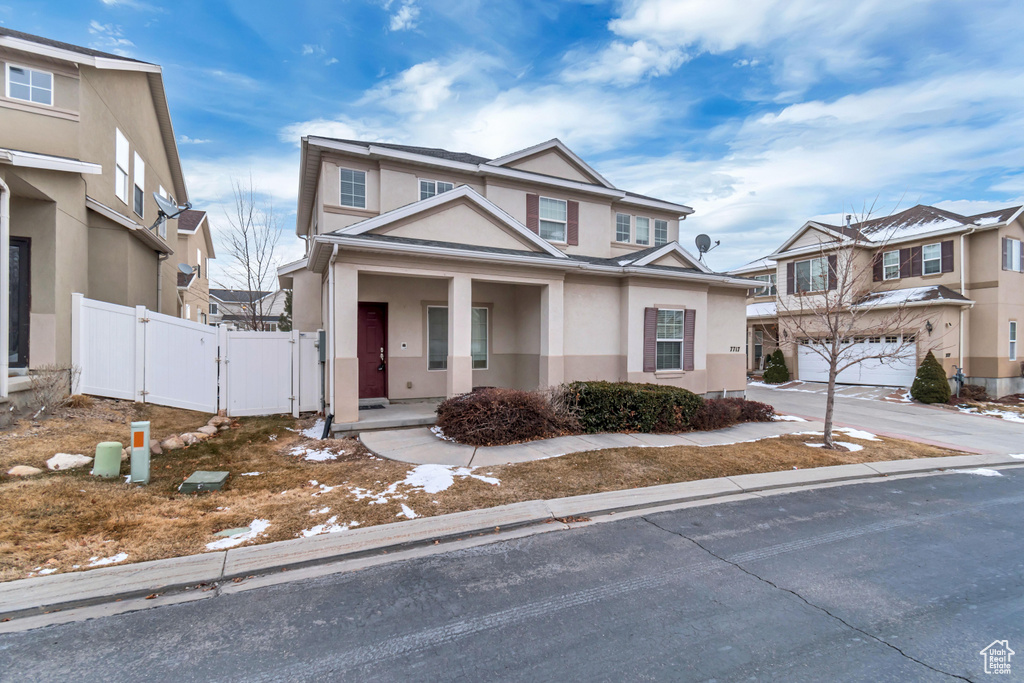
(390, 416)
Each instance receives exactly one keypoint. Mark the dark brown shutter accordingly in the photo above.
(573, 223)
(1006, 253)
(650, 339)
(879, 274)
(790, 278)
(833, 272)
(533, 212)
(947, 256)
(1021, 245)
(915, 262)
(905, 263)
(689, 327)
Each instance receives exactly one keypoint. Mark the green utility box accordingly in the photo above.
(200, 481)
(108, 460)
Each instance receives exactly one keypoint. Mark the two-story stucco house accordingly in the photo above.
(963, 276)
(195, 249)
(85, 141)
(434, 272)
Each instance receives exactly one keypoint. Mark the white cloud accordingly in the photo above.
(623, 64)
(186, 140)
(111, 38)
(313, 50)
(420, 88)
(406, 17)
(330, 61)
(133, 4)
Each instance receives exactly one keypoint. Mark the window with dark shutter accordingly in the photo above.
(947, 256)
(905, 267)
(533, 212)
(790, 278)
(573, 226)
(833, 272)
(915, 262)
(650, 339)
(689, 330)
(876, 267)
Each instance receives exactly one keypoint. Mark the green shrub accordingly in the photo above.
(494, 417)
(775, 371)
(628, 407)
(930, 385)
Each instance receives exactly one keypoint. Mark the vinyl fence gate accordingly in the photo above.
(138, 355)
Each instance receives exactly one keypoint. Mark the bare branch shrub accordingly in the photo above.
(51, 385)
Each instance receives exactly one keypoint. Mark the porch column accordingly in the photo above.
(460, 335)
(552, 317)
(5, 275)
(346, 331)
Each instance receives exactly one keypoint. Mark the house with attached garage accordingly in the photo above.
(434, 272)
(85, 142)
(963, 277)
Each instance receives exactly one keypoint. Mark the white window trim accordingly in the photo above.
(1013, 340)
(419, 186)
(214, 308)
(771, 283)
(885, 276)
(629, 236)
(655, 230)
(123, 190)
(565, 222)
(924, 269)
(140, 168)
(1016, 262)
(488, 340)
(681, 340)
(340, 193)
(7, 85)
(810, 276)
(636, 230)
(427, 350)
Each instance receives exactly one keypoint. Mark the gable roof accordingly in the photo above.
(190, 219)
(646, 257)
(436, 152)
(185, 280)
(552, 144)
(238, 296)
(41, 40)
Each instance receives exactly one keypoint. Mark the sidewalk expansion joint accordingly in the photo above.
(804, 600)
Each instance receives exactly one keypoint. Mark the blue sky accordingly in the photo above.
(758, 113)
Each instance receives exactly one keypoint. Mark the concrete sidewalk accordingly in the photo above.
(423, 447)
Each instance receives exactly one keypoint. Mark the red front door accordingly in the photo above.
(373, 350)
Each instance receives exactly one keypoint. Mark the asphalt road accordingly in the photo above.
(900, 580)
(975, 432)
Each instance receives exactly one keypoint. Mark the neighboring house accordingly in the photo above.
(235, 307)
(85, 141)
(962, 275)
(195, 249)
(434, 272)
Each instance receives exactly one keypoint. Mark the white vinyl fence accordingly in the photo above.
(135, 354)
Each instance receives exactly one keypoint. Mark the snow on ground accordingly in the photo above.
(788, 418)
(250, 474)
(426, 478)
(256, 528)
(852, 447)
(1017, 456)
(858, 434)
(983, 471)
(900, 398)
(407, 512)
(321, 511)
(315, 454)
(324, 488)
(331, 526)
(439, 433)
(1007, 415)
(314, 432)
(113, 559)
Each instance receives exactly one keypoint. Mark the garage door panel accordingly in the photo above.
(892, 370)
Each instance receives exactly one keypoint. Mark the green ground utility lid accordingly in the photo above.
(203, 481)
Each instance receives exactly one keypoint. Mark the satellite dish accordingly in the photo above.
(169, 208)
(186, 268)
(703, 243)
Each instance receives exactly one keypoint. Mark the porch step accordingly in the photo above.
(350, 428)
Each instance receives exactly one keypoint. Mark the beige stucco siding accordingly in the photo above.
(463, 223)
(552, 163)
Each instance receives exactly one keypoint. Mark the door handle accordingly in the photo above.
(380, 368)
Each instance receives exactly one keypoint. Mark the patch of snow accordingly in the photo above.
(113, 559)
(250, 474)
(273, 437)
(987, 220)
(426, 478)
(315, 454)
(788, 418)
(256, 528)
(314, 432)
(407, 512)
(321, 511)
(904, 397)
(331, 526)
(48, 570)
(439, 433)
(983, 471)
(324, 488)
(127, 478)
(858, 434)
(1017, 456)
(852, 447)
(1008, 415)
(766, 309)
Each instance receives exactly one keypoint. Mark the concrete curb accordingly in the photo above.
(44, 594)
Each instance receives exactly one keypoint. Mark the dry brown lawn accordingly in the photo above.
(62, 519)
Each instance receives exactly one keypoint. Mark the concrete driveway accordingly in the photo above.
(867, 408)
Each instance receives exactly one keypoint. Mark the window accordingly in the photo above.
(660, 232)
(1013, 340)
(1012, 254)
(670, 340)
(121, 157)
(437, 338)
(769, 288)
(891, 265)
(479, 341)
(812, 275)
(622, 227)
(892, 339)
(188, 311)
(553, 219)
(643, 230)
(353, 188)
(139, 195)
(213, 308)
(29, 85)
(430, 188)
(166, 195)
(874, 340)
(199, 264)
(931, 257)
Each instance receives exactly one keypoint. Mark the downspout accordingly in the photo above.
(963, 292)
(5, 275)
(331, 322)
(160, 281)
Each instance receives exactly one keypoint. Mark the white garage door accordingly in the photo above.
(896, 371)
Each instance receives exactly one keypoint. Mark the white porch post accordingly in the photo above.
(346, 331)
(552, 361)
(5, 276)
(460, 335)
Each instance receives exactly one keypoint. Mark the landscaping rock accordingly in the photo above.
(68, 461)
(23, 471)
(224, 428)
(201, 436)
(190, 438)
(155, 449)
(209, 430)
(172, 443)
(218, 421)
(124, 454)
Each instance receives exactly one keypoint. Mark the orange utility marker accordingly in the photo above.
(140, 452)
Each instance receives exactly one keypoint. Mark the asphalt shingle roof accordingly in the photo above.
(64, 46)
(463, 157)
(237, 296)
(189, 220)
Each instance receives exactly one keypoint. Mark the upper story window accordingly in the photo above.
(121, 157)
(622, 227)
(139, 195)
(811, 275)
(891, 265)
(769, 289)
(643, 230)
(553, 219)
(213, 308)
(660, 232)
(931, 259)
(1013, 254)
(353, 188)
(29, 85)
(430, 188)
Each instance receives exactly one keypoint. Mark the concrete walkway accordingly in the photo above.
(423, 447)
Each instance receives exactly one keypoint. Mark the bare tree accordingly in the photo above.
(836, 300)
(251, 242)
